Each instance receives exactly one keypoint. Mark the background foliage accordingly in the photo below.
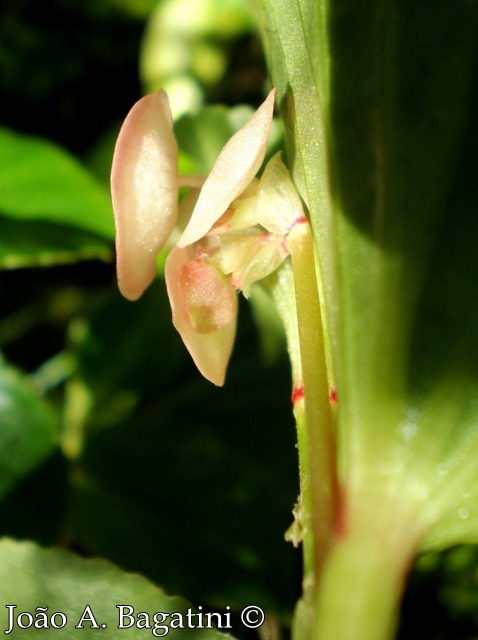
(111, 443)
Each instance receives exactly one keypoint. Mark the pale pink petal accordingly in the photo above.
(236, 166)
(204, 307)
(144, 186)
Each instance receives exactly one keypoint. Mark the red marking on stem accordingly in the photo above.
(297, 394)
(333, 396)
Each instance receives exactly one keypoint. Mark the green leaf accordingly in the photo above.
(443, 369)
(41, 181)
(379, 102)
(34, 244)
(395, 141)
(378, 145)
(32, 577)
(28, 428)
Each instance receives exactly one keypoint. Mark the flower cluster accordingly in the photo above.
(236, 232)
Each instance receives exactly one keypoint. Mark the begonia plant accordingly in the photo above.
(387, 445)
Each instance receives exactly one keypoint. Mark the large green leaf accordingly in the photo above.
(41, 181)
(28, 428)
(443, 369)
(379, 101)
(31, 577)
(378, 110)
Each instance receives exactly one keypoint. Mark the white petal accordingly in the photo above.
(236, 166)
(212, 350)
(144, 187)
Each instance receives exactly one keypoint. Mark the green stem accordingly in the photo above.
(315, 423)
(363, 579)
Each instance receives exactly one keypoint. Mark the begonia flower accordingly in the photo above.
(235, 235)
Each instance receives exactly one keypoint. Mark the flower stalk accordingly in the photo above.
(320, 439)
(315, 419)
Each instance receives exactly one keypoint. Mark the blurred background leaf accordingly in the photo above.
(189, 47)
(40, 181)
(39, 244)
(30, 575)
(28, 428)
